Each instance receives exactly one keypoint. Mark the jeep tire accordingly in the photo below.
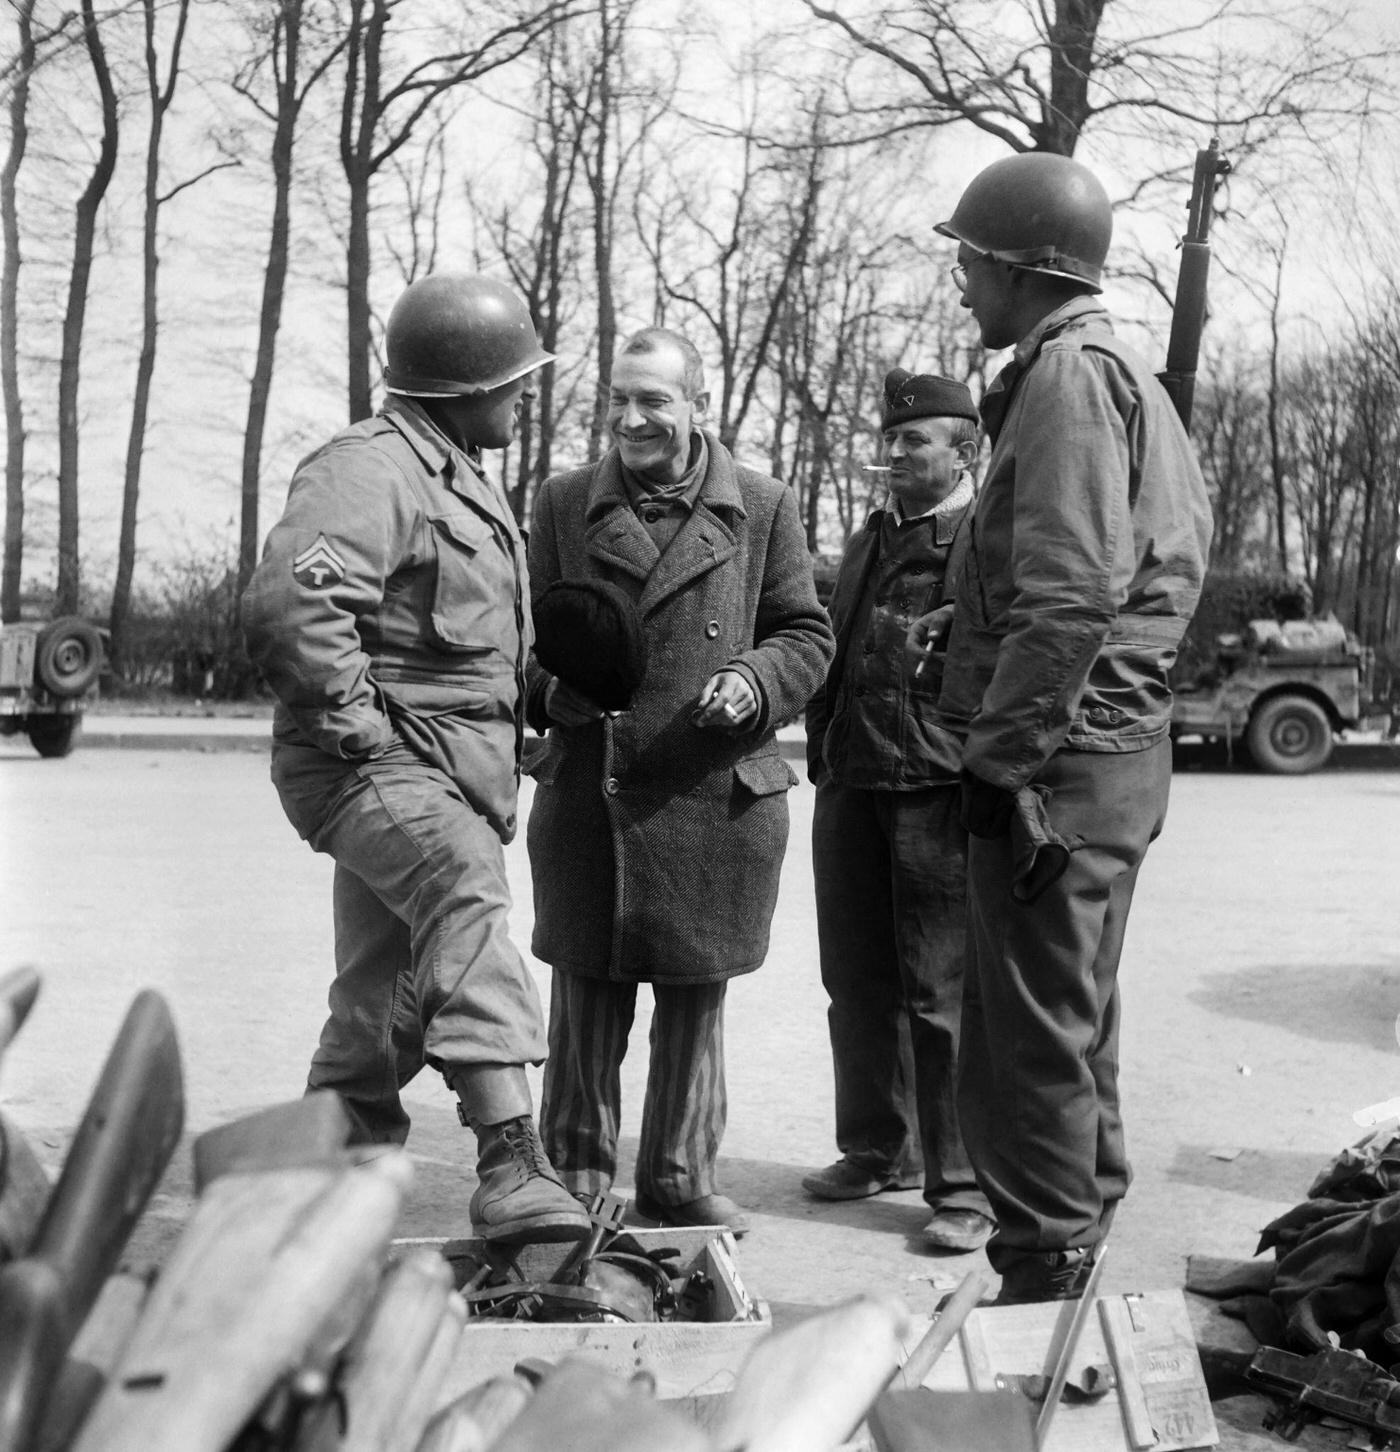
(53, 735)
(1291, 734)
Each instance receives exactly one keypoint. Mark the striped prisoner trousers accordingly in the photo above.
(685, 1107)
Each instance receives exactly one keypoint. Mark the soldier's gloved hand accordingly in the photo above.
(567, 706)
(987, 809)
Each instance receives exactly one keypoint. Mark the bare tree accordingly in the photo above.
(380, 115)
(538, 236)
(70, 360)
(26, 57)
(1038, 73)
(161, 95)
(279, 55)
(1374, 454)
(1229, 429)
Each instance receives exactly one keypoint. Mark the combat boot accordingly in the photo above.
(520, 1197)
(1051, 1275)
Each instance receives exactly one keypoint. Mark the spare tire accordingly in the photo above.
(68, 656)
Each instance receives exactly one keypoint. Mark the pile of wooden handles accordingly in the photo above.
(283, 1319)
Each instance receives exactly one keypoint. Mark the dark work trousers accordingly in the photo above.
(426, 972)
(890, 883)
(685, 1109)
(1038, 1088)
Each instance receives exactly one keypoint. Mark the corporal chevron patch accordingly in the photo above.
(319, 565)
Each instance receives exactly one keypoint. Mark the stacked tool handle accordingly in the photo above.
(284, 1321)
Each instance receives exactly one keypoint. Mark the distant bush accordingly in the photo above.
(183, 637)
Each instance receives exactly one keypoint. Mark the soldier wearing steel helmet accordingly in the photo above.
(390, 615)
(1086, 554)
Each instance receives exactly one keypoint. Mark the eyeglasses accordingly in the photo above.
(958, 272)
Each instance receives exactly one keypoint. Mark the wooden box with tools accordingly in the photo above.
(1132, 1381)
(692, 1356)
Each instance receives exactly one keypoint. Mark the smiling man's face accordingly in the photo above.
(650, 415)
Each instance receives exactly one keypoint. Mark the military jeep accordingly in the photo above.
(1283, 690)
(48, 672)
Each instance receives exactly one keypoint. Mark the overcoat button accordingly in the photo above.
(712, 629)
(610, 786)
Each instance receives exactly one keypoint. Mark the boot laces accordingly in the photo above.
(524, 1144)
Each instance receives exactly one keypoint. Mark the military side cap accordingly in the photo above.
(924, 395)
(589, 634)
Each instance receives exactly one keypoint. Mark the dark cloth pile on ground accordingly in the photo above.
(1335, 1278)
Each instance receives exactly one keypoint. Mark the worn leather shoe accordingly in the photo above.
(707, 1210)
(1052, 1275)
(520, 1198)
(958, 1230)
(847, 1180)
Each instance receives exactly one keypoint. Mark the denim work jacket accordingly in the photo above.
(1085, 558)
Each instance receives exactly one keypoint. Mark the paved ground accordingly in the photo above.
(1261, 983)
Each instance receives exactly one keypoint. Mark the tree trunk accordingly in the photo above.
(10, 577)
(274, 288)
(601, 184)
(1072, 34)
(161, 99)
(1276, 469)
(359, 117)
(68, 594)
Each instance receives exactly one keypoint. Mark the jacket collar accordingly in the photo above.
(460, 471)
(719, 489)
(615, 536)
(423, 435)
(997, 399)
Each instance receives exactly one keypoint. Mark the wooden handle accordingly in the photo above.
(946, 1324)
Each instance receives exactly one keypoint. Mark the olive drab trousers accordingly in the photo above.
(426, 973)
(1038, 1077)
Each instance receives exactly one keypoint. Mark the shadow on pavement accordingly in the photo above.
(1269, 1175)
(1352, 1004)
(1214, 756)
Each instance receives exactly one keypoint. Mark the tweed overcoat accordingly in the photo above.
(655, 846)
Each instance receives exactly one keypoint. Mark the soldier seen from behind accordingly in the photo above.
(1084, 565)
(888, 847)
(391, 616)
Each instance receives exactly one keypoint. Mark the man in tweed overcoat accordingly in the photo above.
(657, 835)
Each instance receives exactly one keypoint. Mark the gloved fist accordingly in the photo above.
(987, 809)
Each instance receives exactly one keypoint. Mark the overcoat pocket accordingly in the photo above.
(765, 776)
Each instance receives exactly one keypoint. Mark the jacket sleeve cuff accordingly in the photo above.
(760, 720)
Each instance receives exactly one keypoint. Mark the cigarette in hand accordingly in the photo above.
(730, 711)
(924, 655)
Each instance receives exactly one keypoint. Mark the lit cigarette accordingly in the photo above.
(730, 711)
(875, 468)
(923, 658)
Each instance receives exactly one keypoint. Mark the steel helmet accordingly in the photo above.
(452, 333)
(1037, 210)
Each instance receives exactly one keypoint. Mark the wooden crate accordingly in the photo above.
(687, 1358)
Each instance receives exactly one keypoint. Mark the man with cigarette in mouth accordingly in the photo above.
(657, 832)
(887, 845)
